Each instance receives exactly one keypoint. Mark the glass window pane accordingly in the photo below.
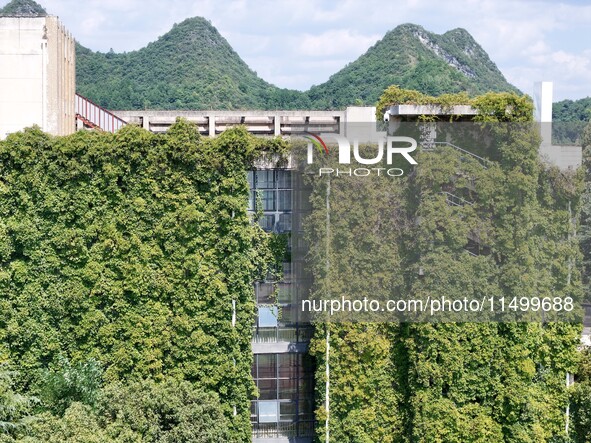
(251, 200)
(307, 365)
(268, 316)
(267, 389)
(288, 389)
(268, 200)
(288, 314)
(287, 411)
(268, 411)
(285, 292)
(306, 388)
(284, 201)
(267, 365)
(287, 365)
(284, 179)
(267, 222)
(250, 178)
(287, 271)
(306, 406)
(265, 293)
(265, 179)
(284, 224)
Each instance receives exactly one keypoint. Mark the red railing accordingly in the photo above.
(95, 116)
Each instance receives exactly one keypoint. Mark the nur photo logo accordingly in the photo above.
(384, 147)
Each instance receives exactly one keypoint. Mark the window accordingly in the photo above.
(288, 365)
(252, 198)
(267, 365)
(284, 201)
(287, 411)
(265, 293)
(268, 200)
(265, 179)
(284, 293)
(267, 222)
(268, 316)
(268, 411)
(267, 389)
(284, 224)
(284, 179)
(288, 389)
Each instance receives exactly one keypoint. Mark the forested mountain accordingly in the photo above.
(23, 8)
(413, 58)
(190, 67)
(194, 67)
(570, 119)
(572, 111)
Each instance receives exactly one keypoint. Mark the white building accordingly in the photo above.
(37, 75)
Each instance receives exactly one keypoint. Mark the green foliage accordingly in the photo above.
(79, 424)
(16, 410)
(491, 107)
(406, 56)
(569, 120)
(503, 107)
(456, 381)
(279, 249)
(581, 400)
(167, 412)
(190, 67)
(364, 398)
(572, 110)
(129, 249)
(194, 67)
(69, 383)
(141, 412)
(585, 231)
(23, 8)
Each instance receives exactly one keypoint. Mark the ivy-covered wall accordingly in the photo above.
(129, 249)
(451, 381)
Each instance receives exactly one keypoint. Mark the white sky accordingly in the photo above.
(298, 43)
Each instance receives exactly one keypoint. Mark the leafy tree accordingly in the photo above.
(78, 424)
(16, 410)
(171, 411)
(69, 383)
(581, 400)
(168, 412)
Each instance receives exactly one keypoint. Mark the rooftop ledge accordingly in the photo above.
(431, 110)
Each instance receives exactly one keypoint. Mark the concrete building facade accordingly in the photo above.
(37, 75)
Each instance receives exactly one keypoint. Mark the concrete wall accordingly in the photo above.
(563, 156)
(37, 75)
(212, 123)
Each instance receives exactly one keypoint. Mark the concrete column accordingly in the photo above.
(543, 115)
(277, 125)
(211, 125)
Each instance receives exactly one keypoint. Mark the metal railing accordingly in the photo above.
(283, 429)
(430, 147)
(455, 200)
(95, 116)
(283, 334)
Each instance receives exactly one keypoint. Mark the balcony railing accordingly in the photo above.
(96, 117)
(283, 429)
(296, 334)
